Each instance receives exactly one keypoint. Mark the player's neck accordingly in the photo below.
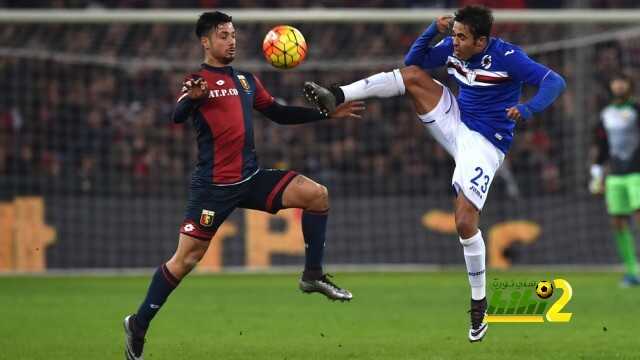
(621, 100)
(211, 61)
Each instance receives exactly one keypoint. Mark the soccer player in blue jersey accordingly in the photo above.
(219, 99)
(476, 127)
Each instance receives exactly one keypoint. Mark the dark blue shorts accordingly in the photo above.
(209, 205)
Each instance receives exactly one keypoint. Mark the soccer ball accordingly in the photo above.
(284, 47)
(544, 289)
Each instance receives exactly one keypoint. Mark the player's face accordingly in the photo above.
(619, 87)
(464, 44)
(221, 43)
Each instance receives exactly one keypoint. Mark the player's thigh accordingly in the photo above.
(617, 196)
(476, 166)
(443, 121)
(208, 206)
(266, 190)
(422, 88)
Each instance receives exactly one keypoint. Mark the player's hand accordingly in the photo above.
(196, 88)
(351, 109)
(444, 23)
(514, 114)
(519, 112)
(596, 184)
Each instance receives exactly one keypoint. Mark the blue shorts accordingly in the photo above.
(210, 205)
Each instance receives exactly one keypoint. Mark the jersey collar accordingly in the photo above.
(223, 69)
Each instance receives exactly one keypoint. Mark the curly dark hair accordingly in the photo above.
(210, 20)
(478, 18)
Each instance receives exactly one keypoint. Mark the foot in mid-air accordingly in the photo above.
(322, 98)
(478, 326)
(630, 280)
(323, 285)
(134, 341)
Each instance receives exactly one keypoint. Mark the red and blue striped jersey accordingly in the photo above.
(224, 124)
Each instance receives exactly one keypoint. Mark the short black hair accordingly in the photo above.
(210, 20)
(478, 18)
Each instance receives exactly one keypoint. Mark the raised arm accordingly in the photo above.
(423, 54)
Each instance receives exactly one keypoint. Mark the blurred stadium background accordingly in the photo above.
(93, 175)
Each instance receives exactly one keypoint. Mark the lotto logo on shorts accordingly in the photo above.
(206, 219)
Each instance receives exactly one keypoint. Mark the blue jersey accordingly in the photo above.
(490, 82)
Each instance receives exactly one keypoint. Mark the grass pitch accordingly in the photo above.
(392, 316)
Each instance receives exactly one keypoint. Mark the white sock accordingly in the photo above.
(474, 257)
(381, 85)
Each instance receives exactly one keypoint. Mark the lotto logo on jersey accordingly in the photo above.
(206, 218)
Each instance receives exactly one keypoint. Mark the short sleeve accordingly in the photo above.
(262, 98)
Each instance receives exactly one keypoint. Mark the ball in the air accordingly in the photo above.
(284, 47)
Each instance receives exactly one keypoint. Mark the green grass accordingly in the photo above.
(393, 316)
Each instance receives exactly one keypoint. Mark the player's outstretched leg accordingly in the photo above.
(313, 198)
(381, 85)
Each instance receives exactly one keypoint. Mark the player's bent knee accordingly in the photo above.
(416, 78)
(320, 199)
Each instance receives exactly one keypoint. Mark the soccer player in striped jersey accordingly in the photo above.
(219, 99)
(476, 127)
(617, 147)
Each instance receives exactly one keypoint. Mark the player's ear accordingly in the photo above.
(204, 41)
(482, 41)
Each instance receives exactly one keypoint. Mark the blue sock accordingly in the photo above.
(162, 284)
(314, 227)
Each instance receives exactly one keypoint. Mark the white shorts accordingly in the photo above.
(477, 159)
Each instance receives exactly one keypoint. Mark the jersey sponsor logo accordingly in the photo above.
(507, 53)
(222, 93)
(244, 83)
(189, 228)
(206, 218)
(220, 82)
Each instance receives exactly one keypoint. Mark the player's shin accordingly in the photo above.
(162, 284)
(380, 85)
(314, 226)
(474, 257)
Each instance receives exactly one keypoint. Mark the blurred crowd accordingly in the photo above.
(86, 108)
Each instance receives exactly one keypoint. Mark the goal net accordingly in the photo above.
(85, 132)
